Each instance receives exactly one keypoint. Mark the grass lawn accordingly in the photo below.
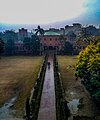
(67, 69)
(17, 77)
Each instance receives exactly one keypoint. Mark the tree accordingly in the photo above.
(32, 45)
(10, 34)
(27, 44)
(35, 45)
(62, 42)
(68, 48)
(1, 46)
(88, 68)
(71, 36)
(39, 30)
(9, 47)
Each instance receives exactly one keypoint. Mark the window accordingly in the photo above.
(50, 39)
(44, 38)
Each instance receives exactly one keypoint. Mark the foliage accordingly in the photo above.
(68, 48)
(1, 46)
(90, 31)
(27, 43)
(32, 44)
(88, 68)
(82, 42)
(10, 34)
(61, 38)
(35, 41)
(39, 30)
(9, 47)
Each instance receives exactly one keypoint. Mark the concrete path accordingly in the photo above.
(47, 109)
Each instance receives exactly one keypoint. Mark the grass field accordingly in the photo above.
(17, 77)
(73, 88)
(67, 69)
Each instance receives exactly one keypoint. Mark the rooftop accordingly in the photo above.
(51, 33)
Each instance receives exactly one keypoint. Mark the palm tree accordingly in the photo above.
(39, 30)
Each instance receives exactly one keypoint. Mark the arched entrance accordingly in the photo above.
(51, 47)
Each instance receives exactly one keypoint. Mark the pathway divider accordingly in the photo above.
(62, 111)
(33, 103)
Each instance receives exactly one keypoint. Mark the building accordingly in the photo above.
(22, 34)
(52, 41)
(76, 28)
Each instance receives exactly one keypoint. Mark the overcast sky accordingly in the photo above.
(49, 11)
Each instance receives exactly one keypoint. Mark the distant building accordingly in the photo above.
(76, 28)
(22, 34)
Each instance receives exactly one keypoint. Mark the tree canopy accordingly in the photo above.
(68, 48)
(32, 45)
(10, 47)
(39, 30)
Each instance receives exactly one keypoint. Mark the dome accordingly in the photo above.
(51, 33)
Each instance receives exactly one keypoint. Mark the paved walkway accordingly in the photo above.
(47, 109)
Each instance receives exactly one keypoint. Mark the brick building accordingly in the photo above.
(52, 41)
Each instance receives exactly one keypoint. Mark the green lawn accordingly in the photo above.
(67, 69)
(17, 77)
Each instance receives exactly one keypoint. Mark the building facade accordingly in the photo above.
(52, 41)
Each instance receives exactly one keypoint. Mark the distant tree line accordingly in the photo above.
(31, 46)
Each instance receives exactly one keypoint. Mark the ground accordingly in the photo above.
(79, 99)
(17, 78)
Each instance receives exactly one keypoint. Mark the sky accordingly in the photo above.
(92, 12)
(49, 11)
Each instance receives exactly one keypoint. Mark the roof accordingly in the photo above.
(51, 33)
